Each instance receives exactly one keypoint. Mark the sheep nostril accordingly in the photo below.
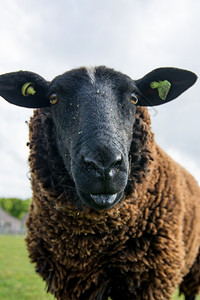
(90, 163)
(103, 168)
(117, 161)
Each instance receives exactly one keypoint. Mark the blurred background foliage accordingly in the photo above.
(16, 207)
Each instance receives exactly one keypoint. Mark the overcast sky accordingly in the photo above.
(50, 37)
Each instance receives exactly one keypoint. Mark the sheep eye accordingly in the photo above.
(134, 98)
(53, 98)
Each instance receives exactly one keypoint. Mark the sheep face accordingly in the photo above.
(94, 112)
(94, 118)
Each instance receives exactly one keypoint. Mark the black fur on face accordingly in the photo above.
(94, 120)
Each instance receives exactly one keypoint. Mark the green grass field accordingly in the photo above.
(18, 280)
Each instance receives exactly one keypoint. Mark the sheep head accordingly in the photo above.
(93, 110)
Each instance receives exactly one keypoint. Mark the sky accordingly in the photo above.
(50, 37)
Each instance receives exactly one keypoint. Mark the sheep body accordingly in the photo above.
(140, 249)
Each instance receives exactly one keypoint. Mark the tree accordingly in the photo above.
(15, 206)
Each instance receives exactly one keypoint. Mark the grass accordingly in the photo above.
(18, 280)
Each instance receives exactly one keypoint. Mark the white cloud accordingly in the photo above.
(13, 151)
(186, 161)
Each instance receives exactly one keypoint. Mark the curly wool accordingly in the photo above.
(140, 249)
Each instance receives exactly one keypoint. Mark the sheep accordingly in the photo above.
(112, 215)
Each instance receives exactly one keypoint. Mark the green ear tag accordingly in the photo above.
(163, 88)
(28, 89)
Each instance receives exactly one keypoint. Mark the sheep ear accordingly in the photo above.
(163, 85)
(25, 89)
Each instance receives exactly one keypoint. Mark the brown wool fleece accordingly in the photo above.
(142, 248)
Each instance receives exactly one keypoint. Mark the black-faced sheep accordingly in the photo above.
(112, 216)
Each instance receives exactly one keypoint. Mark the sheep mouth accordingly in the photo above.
(101, 201)
(104, 199)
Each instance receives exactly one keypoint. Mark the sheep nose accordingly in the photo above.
(104, 166)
